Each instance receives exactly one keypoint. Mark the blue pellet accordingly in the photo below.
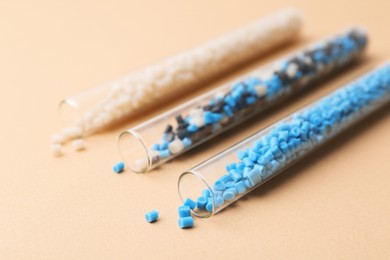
(251, 100)
(284, 147)
(274, 141)
(295, 132)
(230, 166)
(282, 159)
(156, 147)
(256, 146)
(240, 166)
(219, 186)
(217, 193)
(268, 156)
(208, 118)
(235, 175)
(229, 195)
(217, 117)
(187, 142)
(187, 119)
(186, 222)
(184, 211)
(248, 162)
(219, 201)
(192, 128)
(225, 178)
(254, 177)
(241, 154)
(262, 151)
(259, 168)
(246, 171)
(275, 165)
(151, 216)
(248, 184)
(209, 205)
(283, 136)
(240, 187)
(230, 184)
(228, 111)
(253, 156)
(201, 202)
(164, 145)
(206, 193)
(275, 151)
(190, 203)
(164, 153)
(316, 120)
(118, 168)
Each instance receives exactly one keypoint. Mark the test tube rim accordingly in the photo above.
(140, 141)
(201, 178)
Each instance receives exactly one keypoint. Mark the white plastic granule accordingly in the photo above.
(78, 144)
(180, 73)
(56, 150)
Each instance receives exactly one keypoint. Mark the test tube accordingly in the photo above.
(164, 137)
(98, 108)
(228, 176)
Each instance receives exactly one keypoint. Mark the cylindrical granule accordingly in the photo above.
(102, 106)
(238, 170)
(180, 129)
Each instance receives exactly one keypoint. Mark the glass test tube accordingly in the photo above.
(235, 172)
(164, 137)
(100, 107)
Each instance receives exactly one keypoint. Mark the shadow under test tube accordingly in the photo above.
(247, 165)
(164, 137)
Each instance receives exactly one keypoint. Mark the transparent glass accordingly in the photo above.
(74, 110)
(168, 135)
(247, 165)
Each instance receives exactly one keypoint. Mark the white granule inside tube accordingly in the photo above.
(181, 73)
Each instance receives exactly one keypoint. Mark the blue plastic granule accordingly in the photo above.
(189, 202)
(186, 222)
(151, 216)
(201, 202)
(184, 211)
(118, 168)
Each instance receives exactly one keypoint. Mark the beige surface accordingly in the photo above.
(335, 204)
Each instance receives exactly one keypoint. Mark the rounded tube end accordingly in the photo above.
(190, 185)
(69, 113)
(134, 152)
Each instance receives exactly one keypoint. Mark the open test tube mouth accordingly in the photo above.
(198, 120)
(68, 110)
(189, 185)
(134, 152)
(236, 171)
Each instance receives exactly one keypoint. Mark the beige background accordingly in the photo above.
(334, 204)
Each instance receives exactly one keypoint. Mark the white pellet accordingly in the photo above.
(197, 120)
(308, 60)
(73, 132)
(58, 139)
(56, 150)
(78, 144)
(141, 165)
(176, 146)
(292, 69)
(196, 112)
(260, 90)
